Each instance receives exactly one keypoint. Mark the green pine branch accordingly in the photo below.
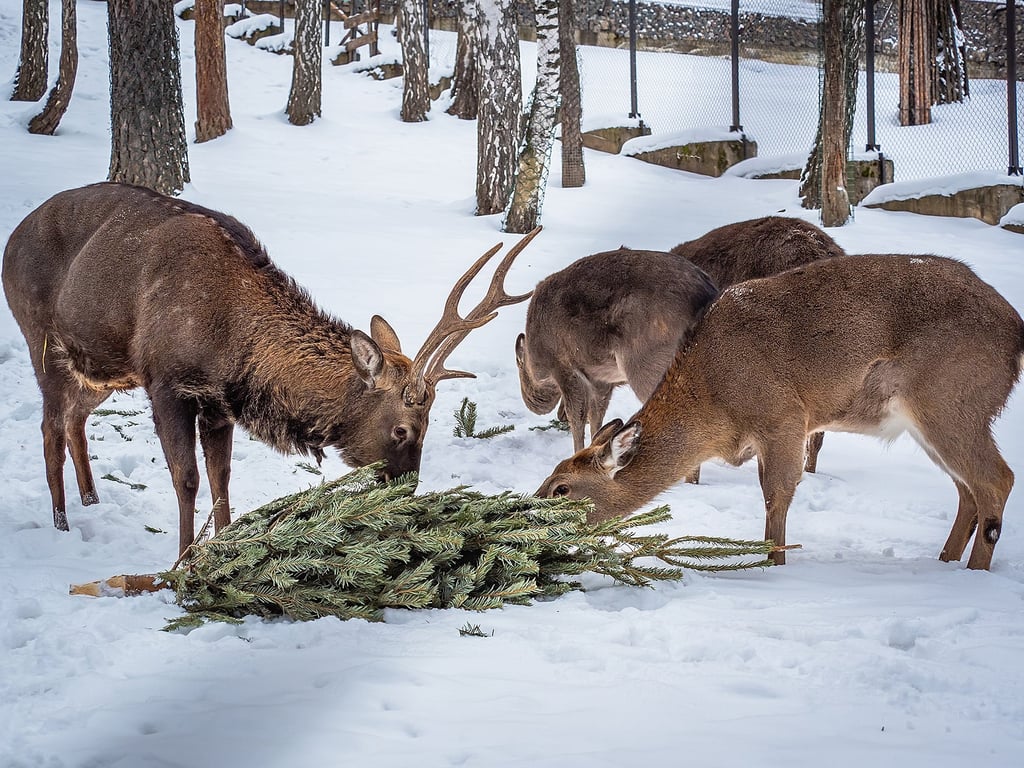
(465, 423)
(352, 547)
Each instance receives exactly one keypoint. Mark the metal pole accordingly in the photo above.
(869, 72)
(1011, 87)
(735, 35)
(327, 23)
(633, 110)
(281, 13)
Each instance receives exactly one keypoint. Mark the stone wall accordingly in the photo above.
(771, 38)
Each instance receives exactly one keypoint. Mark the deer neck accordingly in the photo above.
(682, 428)
(291, 370)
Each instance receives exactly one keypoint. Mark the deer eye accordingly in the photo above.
(560, 490)
(400, 433)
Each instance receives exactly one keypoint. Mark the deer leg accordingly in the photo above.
(216, 439)
(575, 399)
(54, 447)
(175, 421)
(779, 464)
(78, 443)
(963, 527)
(973, 460)
(600, 396)
(813, 446)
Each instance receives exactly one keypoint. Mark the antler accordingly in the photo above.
(428, 365)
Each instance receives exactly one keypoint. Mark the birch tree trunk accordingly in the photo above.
(950, 59)
(535, 156)
(33, 67)
(213, 111)
(148, 145)
(46, 122)
(412, 24)
(500, 109)
(574, 173)
(465, 82)
(307, 66)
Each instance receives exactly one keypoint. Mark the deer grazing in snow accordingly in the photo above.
(618, 317)
(117, 287)
(871, 344)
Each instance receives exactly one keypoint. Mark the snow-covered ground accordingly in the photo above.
(864, 650)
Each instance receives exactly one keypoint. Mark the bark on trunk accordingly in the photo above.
(148, 145)
(950, 60)
(835, 203)
(574, 173)
(823, 182)
(465, 82)
(501, 98)
(33, 67)
(304, 100)
(415, 83)
(535, 157)
(917, 36)
(46, 122)
(213, 110)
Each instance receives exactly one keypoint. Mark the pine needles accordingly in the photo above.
(352, 547)
(465, 423)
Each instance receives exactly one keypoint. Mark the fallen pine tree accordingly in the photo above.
(352, 547)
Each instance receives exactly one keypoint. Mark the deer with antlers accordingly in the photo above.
(117, 287)
(878, 345)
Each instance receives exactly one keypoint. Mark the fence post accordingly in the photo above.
(280, 10)
(1014, 168)
(634, 111)
(327, 23)
(869, 73)
(735, 35)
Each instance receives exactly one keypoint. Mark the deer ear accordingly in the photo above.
(605, 433)
(367, 358)
(520, 348)
(621, 448)
(384, 334)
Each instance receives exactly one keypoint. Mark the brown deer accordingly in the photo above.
(871, 344)
(617, 317)
(117, 287)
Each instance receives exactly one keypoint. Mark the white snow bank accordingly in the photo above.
(941, 185)
(679, 138)
(245, 27)
(761, 166)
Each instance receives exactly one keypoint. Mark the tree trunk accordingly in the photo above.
(465, 82)
(415, 83)
(213, 111)
(33, 67)
(148, 145)
(535, 157)
(574, 173)
(823, 182)
(501, 99)
(46, 122)
(307, 64)
(917, 41)
(950, 59)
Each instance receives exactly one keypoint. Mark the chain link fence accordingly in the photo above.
(685, 75)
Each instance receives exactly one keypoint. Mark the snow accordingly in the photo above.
(243, 28)
(864, 650)
(1014, 216)
(944, 185)
(753, 167)
(654, 142)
